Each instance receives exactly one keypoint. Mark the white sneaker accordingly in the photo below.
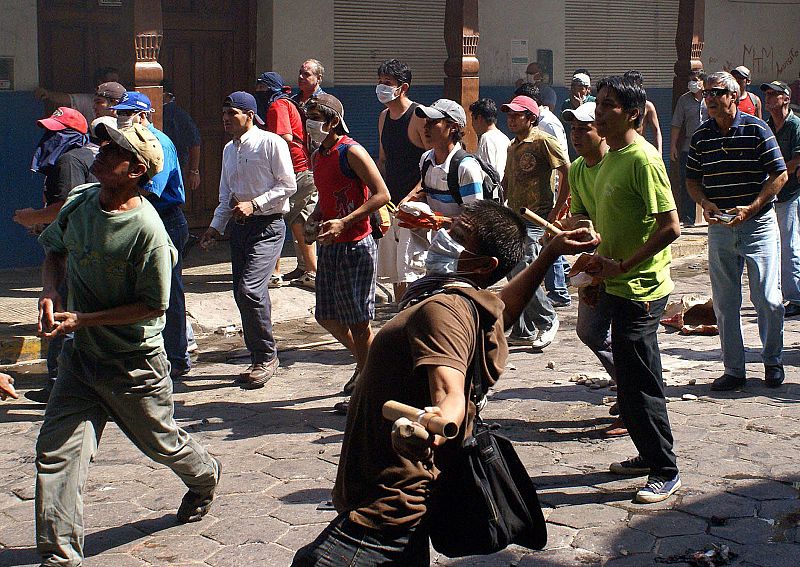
(544, 338)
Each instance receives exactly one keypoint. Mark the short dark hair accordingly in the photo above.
(327, 113)
(486, 108)
(396, 69)
(635, 76)
(500, 233)
(529, 90)
(631, 96)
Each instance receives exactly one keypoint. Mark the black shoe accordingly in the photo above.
(194, 506)
(348, 388)
(39, 396)
(728, 382)
(774, 375)
(340, 408)
(791, 310)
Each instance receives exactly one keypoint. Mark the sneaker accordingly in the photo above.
(544, 338)
(348, 388)
(516, 340)
(194, 505)
(192, 346)
(728, 382)
(178, 375)
(632, 467)
(39, 396)
(614, 409)
(276, 281)
(340, 408)
(294, 274)
(791, 310)
(658, 488)
(308, 281)
(774, 375)
(260, 374)
(242, 377)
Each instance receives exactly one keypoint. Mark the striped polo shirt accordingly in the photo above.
(733, 166)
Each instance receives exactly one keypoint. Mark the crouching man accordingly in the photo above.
(421, 358)
(110, 245)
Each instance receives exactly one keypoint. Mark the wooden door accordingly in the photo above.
(207, 54)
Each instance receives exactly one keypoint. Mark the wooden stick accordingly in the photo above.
(531, 216)
(433, 423)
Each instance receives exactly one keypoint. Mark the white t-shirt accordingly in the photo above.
(493, 149)
(549, 122)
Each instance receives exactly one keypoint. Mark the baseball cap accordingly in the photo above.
(112, 90)
(134, 100)
(742, 71)
(64, 117)
(778, 86)
(271, 79)
(584, 113)
(582, 78)
(138, 140)
(521, 103)
(445, 108)
(330, 101)
(243, 101)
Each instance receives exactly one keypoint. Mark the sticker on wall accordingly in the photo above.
(519, 58)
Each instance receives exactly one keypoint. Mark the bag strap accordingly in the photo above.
(452, 175)
(475, 377)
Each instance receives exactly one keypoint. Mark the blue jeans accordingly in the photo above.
(555, 281)
(539, 314)
(789, 224)
(347, 544)
(175, 341)
(255, 248)
(594, 330)
(753, 243)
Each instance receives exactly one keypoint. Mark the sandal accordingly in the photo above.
(275, 281)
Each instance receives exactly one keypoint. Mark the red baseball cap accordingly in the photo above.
(521, 103)
(65, 117)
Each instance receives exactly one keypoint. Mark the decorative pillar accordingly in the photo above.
(689, 44)
(148, 35)
(462, 82)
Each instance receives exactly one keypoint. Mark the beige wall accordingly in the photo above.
(18, 40)
(502, 21)
(762, 36)
(295, 37)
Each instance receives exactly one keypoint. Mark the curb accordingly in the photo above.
(16, 349)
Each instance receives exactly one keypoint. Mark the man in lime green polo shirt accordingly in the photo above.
(632, 208)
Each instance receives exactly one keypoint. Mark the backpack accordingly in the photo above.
(379, 220)
(492, 189)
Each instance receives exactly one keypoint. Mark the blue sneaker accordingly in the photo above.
(658, 488)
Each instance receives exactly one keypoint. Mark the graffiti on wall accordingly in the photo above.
(765, 61)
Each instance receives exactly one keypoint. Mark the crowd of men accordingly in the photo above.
(114, 235)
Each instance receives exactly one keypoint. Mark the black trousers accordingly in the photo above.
(640, 387)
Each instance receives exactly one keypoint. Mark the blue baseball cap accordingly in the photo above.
(134, 100)
(243, 101)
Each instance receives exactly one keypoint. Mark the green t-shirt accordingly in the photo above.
(113, 259)
(630, 186)
(581, 186)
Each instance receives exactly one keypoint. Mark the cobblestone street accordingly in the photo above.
(738, 455)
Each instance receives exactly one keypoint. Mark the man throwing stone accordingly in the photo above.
(110, 245)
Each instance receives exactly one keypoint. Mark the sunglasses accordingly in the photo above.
(715, 92)
(127, 112)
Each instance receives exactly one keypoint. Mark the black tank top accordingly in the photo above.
(402, 156)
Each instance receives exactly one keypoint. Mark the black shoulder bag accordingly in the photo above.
(485, 499)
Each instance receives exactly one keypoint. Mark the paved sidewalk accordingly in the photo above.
(738, 454)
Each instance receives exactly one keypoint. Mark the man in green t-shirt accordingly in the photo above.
(110, 245)
(632, 208)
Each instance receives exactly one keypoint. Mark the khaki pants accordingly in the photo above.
(137, 393)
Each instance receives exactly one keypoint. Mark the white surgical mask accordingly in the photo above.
(316, 131)
(443, 254)
(386, 93)
(125, 121)
(694, 87)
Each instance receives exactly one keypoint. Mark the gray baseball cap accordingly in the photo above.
(445, 108)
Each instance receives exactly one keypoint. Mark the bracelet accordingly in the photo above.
(255, 206)
(194, 171)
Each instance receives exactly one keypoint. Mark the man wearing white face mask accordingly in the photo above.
(402, 143)
(166, 193)
(350, 188)
(690, 111)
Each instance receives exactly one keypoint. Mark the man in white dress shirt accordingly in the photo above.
(256, 182)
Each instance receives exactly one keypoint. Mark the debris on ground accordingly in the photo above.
(717, 556)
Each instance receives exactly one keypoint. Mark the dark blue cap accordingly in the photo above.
(243, 101)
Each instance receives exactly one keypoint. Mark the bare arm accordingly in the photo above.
(651, 119)
(563, 192)
(668, 228)
(53, 273)
(416, 133)
(192, 180)
(447, 393)
(674, 135)
(31, 217)
(68, 322)
(381, 154)
(757, 101)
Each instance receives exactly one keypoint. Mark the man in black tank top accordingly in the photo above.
(400, 259)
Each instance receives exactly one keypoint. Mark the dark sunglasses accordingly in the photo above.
(715, 92)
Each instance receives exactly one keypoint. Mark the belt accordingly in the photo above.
(259, 218)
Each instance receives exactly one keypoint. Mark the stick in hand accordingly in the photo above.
(432, 423)
(531, 216)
